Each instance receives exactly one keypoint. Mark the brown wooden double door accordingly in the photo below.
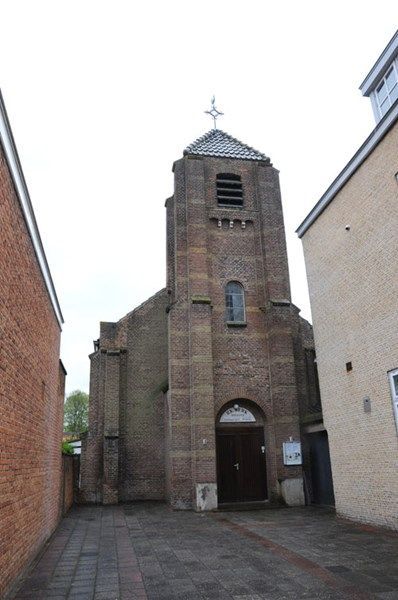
(241, 468)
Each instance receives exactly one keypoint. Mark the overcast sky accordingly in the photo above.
(104, 96)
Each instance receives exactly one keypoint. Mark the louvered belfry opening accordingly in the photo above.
(229, 189)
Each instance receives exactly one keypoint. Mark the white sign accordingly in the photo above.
(237, 414)
(292, 453)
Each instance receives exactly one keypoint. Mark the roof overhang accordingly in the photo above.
(14, 165)
(381, 64)
(62, 367)
(367, 147)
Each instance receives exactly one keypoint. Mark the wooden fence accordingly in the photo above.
(69, 482)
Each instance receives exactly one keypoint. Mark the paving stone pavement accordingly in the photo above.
(147, 551)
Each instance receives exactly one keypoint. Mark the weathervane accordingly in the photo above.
(214, 113)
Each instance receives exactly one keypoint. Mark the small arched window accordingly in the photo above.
(235, 302)
(229, 189)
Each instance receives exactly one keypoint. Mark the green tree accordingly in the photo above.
(67, 448)
(76, 412)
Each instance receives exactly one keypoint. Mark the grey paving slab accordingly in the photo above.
(147, 551)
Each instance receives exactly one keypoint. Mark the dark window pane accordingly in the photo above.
(230, 314)
(382, 92)
(229, 189)
(395, 380)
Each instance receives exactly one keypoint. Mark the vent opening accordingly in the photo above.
(229, 189)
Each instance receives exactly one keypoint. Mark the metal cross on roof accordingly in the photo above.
(214, 113)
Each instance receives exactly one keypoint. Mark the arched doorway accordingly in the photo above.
(241, 458)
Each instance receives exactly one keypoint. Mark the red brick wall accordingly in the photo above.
(92, 442)
(212, 363)
(31, 395)
(142, 470)
(208, 362)
(123, 453)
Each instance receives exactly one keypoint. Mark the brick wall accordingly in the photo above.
(212, 363)
(145, 443)
(123, 453)
(92, 441)
(353, 282)
(142, 473)
(31, 395)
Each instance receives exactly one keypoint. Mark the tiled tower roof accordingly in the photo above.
(219, 143)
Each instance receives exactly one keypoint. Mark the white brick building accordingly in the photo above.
(350, 241)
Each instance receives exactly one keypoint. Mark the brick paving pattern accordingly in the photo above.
(147, 551)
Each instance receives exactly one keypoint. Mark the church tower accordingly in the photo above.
(195, 395)
(233, 395)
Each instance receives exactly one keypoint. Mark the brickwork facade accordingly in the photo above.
(351, 258)
(31, 394)
(184, 362)
(211, 362)
(123, 454)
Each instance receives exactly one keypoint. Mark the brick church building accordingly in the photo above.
(195, 394)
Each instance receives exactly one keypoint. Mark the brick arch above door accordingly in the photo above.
(240, 412)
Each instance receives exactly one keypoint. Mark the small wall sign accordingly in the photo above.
(237, 414)
(292, 453)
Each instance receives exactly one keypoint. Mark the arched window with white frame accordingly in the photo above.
(235, 302)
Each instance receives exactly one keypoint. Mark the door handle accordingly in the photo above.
(236, 465)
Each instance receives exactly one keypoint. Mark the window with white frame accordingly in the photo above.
(393, 376)
(235, 302)
(387, 90)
